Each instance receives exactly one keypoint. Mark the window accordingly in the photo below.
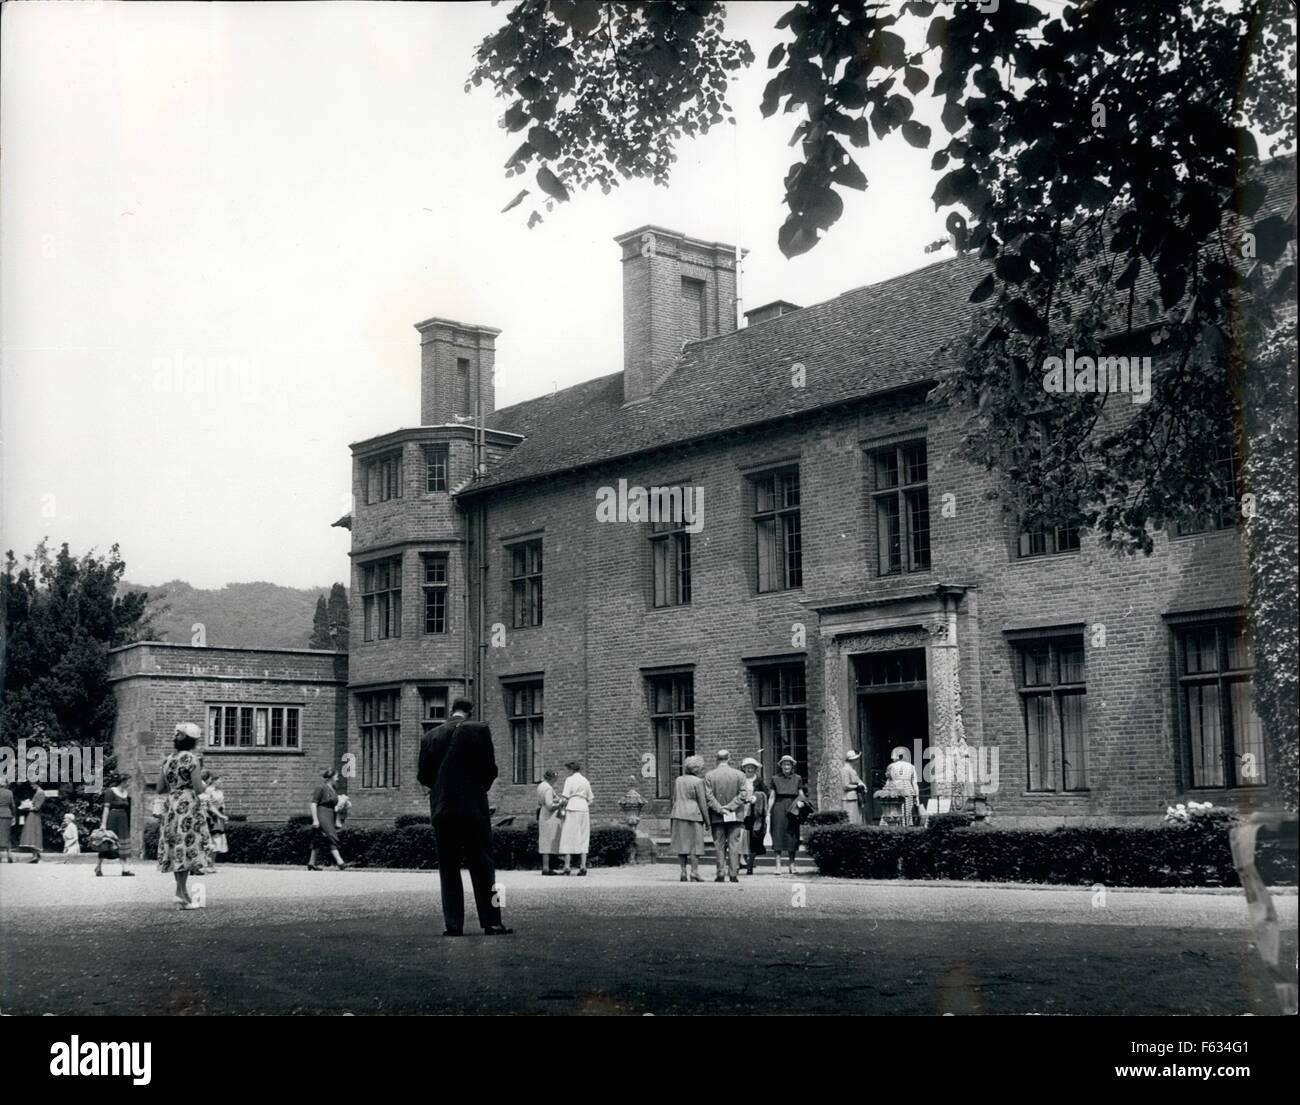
(435, 592)
(694, 320)
(1050, 679)
(526, 583)
(1038, 531)
(254, 727)
(463, 383)
(776, 530)
(525, 706)
(433, 706)
(381, 598)
(1215, 673)
(781, 706)
(384, 478)
(902, 506)
(1048, 540)
(435, 468)
(670, 557)
(672, 718)
(1226, 475)
(381, 739)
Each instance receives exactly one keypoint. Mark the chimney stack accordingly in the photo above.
(456, 371)
(675, 289)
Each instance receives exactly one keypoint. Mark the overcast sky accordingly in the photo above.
(278, 192)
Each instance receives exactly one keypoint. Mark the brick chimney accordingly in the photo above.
(456, 371)
(675, 289)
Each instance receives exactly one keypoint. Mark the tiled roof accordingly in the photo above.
(866, 342)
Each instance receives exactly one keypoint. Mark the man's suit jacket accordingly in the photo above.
(723, 785)
(458, 764)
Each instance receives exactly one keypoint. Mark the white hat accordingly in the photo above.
(190, 730)
(749, 761)
(850, 755)
(786, 757)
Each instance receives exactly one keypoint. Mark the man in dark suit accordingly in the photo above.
(458, 765)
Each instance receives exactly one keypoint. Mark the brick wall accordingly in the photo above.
(157, 685)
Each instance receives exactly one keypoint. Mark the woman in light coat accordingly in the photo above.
(549, 822)
(690, 816)
(575, 834)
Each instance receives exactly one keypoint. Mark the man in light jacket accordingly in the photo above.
(724, 786)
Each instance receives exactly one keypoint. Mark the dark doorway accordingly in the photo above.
(892, 710)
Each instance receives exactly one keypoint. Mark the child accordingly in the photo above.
(71, 836)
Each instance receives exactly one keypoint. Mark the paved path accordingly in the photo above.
(631, 940)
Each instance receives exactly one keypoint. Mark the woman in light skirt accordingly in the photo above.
(549, 823)
(690, 816)
(575, 834)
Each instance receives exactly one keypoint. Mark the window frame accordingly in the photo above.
(437, 468)
(672, 729)
(1223, 677)
(902, 493)
(436, 591)
(1225, 516)
(387, 599)
(1053, 692)
(527, 729)
(376, 730)
(525, 588)
(782, 724)
(670, 544)
(382, 475)
(786, 522)
(251, 727)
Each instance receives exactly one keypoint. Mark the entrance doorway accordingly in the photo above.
(892, 710)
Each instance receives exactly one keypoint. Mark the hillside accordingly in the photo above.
(263, 615)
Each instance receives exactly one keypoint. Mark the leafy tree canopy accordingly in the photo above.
(62, 614)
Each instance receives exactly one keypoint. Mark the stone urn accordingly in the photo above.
(631, 804)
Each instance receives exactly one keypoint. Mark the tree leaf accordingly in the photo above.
(549, 183)
(1013, 268)
(1025, 319)
(916, 134)
(953, 116)
(1271, 237)
(915, 79)
(515, 202)
(983, 289)
(849, 175)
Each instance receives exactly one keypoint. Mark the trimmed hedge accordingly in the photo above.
(827, 817)
(1148, 856)
(409, 846)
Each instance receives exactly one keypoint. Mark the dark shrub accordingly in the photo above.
(954, 819)
(300, 819)
(402, 820)
(828, 817)
(1196, 854)
(410, 846)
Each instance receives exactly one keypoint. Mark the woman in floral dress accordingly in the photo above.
(184, 844)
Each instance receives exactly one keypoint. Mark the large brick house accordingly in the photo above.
(845, 581)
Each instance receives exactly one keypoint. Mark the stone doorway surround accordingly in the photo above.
(926, 619)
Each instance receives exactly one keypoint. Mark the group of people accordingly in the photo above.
(27, 814)
(741, 812)
(564, 819)
(900, 796)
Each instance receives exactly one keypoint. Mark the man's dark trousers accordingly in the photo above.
(466, 839)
